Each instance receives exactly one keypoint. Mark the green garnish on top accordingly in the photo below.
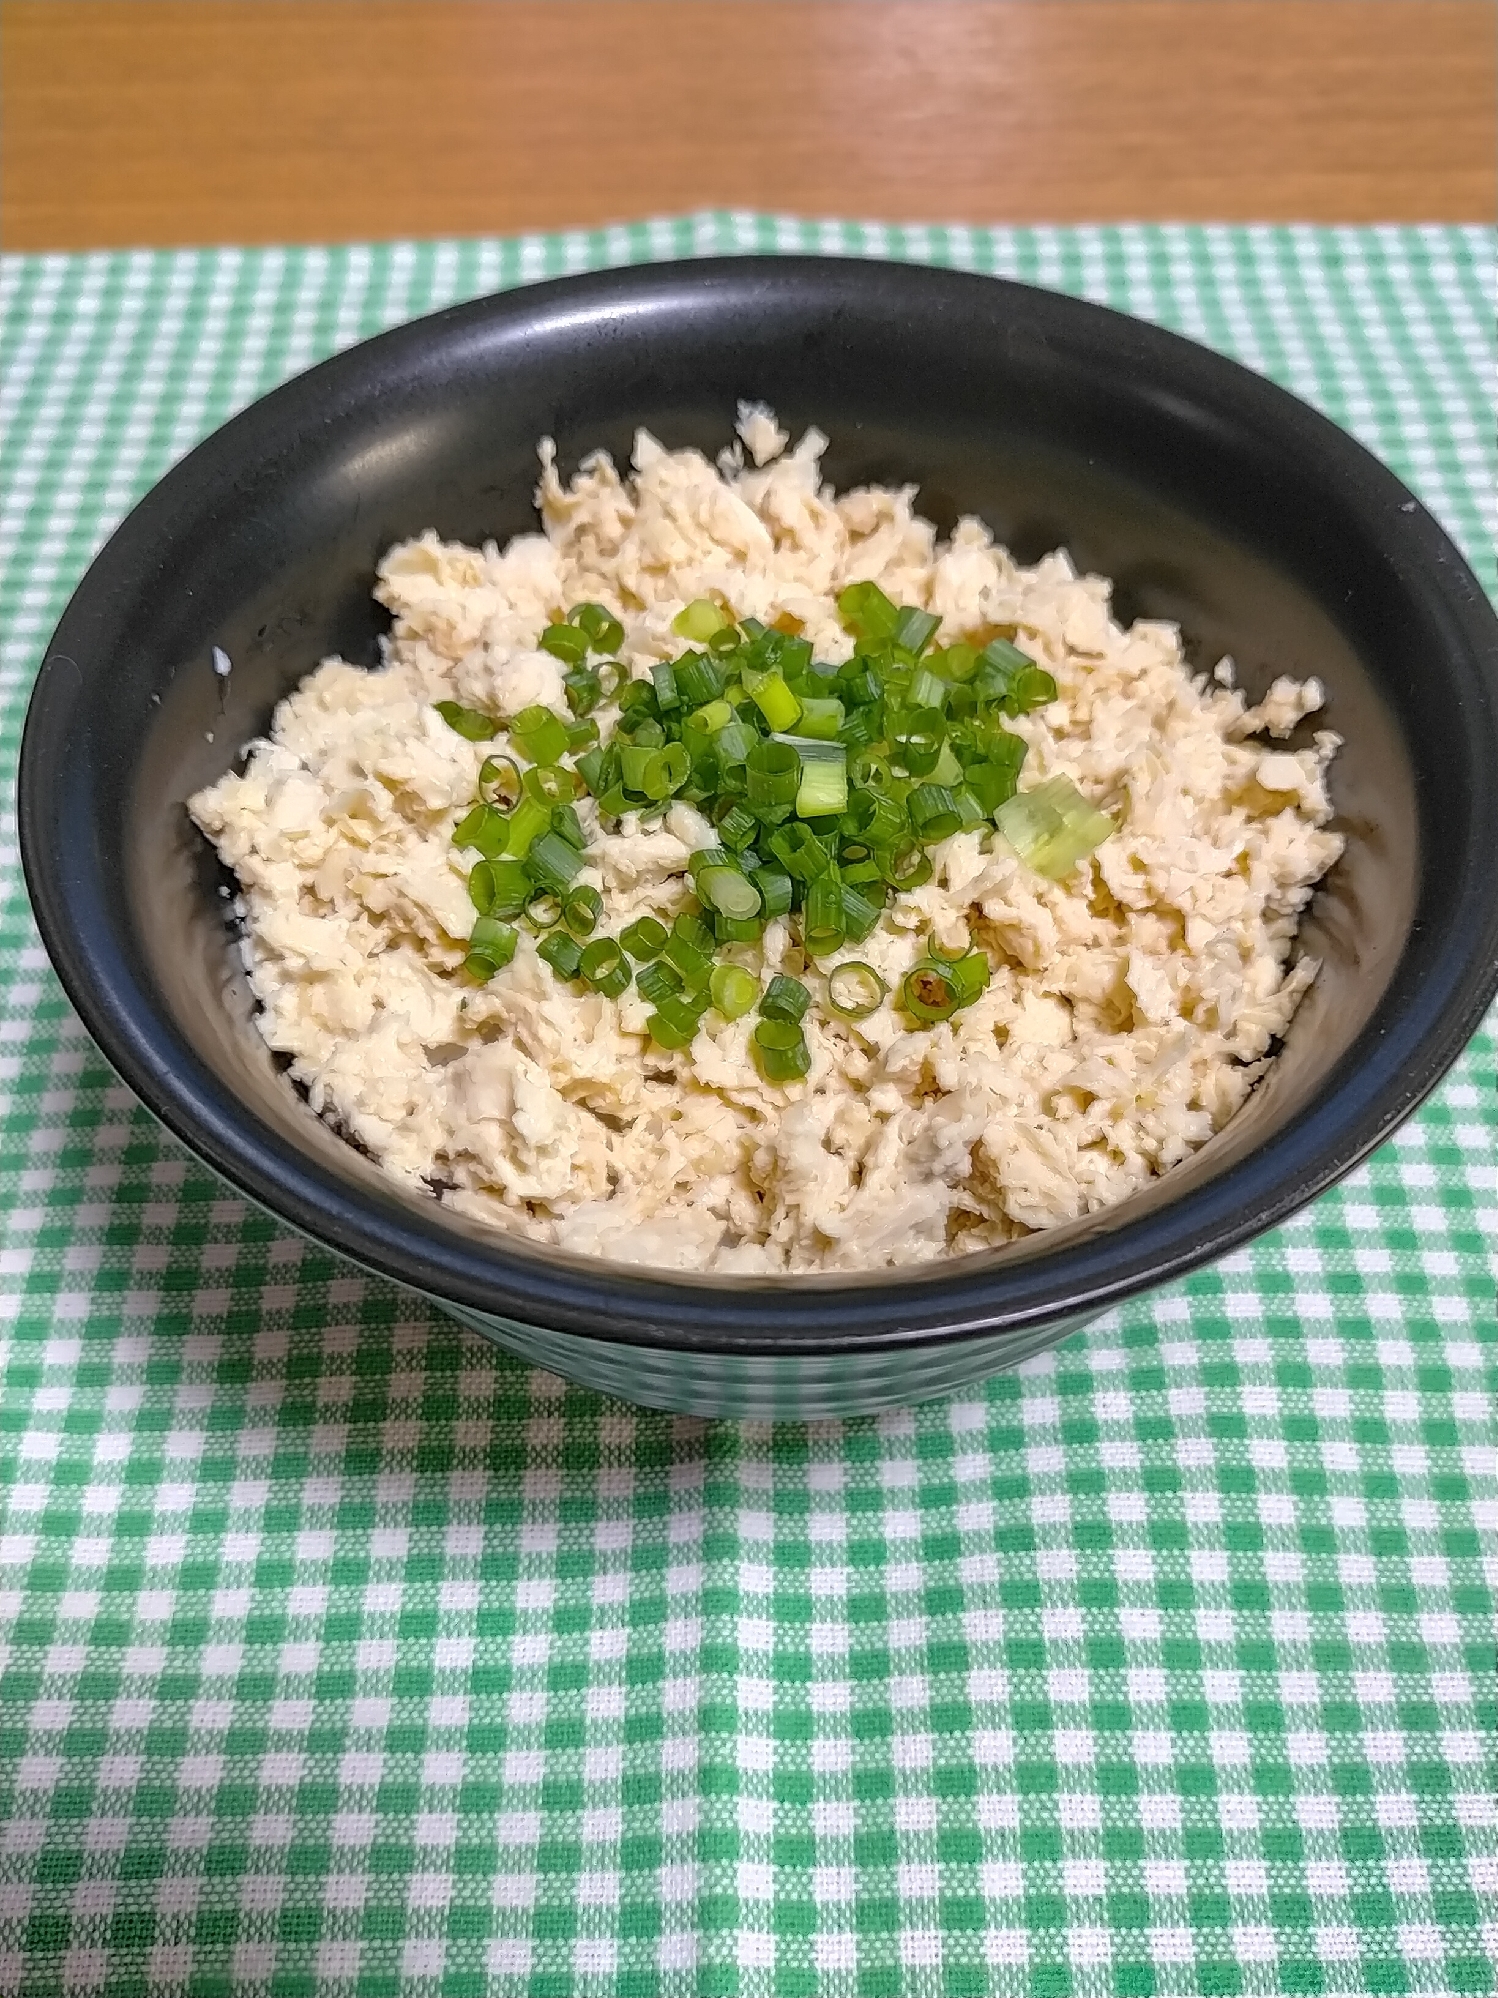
(826, 786)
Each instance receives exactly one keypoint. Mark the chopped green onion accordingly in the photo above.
(820, 719)
(663, 676)
(824, 780)
(583, 688)
(563, 953)
(500, 782)
(568, 826)
(691, 962)
(876, 820)
(799, 851)
(667, 770)
(869, 772)
(956, 663)
(774, 1033)
(914, 630)
(685, 1009)
(657, 981)
(866, 611)
(855, 990)
(773, 771)
(905, 866)
(603, 630)
(602, 965)
(971, 809)
(701, 787)
(738, 826)
(992, 784)
(637, 704)
(861, 687)
(933, 813)
(774, 890)
(698, 681)
(929, 993)
(552, 862)
(785, 999)
(513, 888)
(780, 1064)
(550, 784)
(490, 948)
(467, 722)
(1031, 688)
(487, 829)
(792, 655)
(841, 776)
(693, 930)
(481, 886)
(862, 728)
(674, 1023)
(1004, 657)
(644, 938)
(775, 701)
(538, 734)
(734, 741)
(918, 738)
(734, 990)
(1053, 827)
(861, 912)
(822, 925)
(698, 621)
(543, 911)
(590, 767)
(927, 690)
(494, 940)
(715, 715)
(581, 908)
(565, 642)
(970, 975)
(728, 892)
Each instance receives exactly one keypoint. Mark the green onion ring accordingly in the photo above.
(855, 990)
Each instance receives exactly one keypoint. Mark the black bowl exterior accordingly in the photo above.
(804, 1386)
(1210, 496)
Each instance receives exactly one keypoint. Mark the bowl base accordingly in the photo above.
(764, 1387)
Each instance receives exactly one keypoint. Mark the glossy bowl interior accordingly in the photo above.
(1209, 496)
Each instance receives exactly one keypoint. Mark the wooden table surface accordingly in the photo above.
(198, 121)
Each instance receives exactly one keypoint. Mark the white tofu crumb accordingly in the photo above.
(1130, 1007)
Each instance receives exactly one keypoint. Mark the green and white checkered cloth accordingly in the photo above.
(343, 1655)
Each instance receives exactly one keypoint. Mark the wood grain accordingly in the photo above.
(183, 121)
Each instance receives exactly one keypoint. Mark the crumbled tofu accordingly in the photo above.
(1131, 1004)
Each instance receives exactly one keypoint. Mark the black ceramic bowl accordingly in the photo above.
(1208, 495)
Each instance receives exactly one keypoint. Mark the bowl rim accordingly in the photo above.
(1375, 1085)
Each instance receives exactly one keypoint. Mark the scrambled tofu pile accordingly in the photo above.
(1131, 1008)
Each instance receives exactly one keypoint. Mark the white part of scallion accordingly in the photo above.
(1053, 827)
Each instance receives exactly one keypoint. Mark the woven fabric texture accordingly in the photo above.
(341, 1655)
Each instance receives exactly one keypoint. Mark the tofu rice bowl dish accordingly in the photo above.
(735, 876)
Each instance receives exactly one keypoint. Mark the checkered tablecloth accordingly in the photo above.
(341, 1655)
